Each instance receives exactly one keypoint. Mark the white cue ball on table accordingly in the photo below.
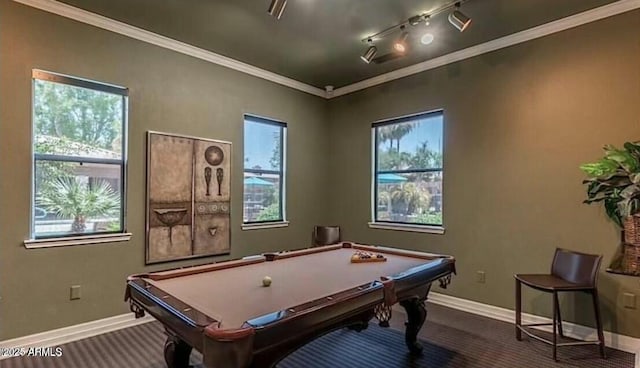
(266, 281)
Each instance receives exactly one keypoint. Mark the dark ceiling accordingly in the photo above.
(318, 42)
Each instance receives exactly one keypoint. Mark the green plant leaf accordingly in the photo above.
(589, 201)
(633, 148)
(612, 210)
(600, 168)
(596, 188)
(614, 180)
(626, 160)
(630, 191)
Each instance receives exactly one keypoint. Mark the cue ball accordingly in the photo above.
(266, 281)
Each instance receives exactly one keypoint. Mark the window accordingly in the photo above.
(408, 170)
(79, 156)
(264, 156)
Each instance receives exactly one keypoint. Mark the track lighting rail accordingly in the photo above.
(414, 20)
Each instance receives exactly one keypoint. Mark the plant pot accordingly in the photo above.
(631, 247)
(631, 260)
(632, 230)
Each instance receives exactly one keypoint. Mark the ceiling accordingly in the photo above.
(318, 42)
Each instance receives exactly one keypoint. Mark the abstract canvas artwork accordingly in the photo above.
(188, 197)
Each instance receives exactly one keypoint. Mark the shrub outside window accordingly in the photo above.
(408, 170)
(264, 165)
(79, 134)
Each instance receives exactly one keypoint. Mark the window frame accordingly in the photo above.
(94, 236)
(402, 225)
(281, 173)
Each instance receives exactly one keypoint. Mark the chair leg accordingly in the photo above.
(518, 310)
(557, 307)
(555, 326)
(596, 307)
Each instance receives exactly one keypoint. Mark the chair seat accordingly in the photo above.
(549, 282)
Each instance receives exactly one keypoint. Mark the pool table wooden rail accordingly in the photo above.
(263, 341)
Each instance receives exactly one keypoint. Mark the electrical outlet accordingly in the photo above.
(480, 277)
(629, 300)
(75, 292)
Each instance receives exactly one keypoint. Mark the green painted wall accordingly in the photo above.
(518, 122)
(169, 92)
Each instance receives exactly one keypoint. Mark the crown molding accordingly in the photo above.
(618, 7)
(83, 16)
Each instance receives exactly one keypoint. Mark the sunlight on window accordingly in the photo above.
(408, 170)
(78, 146)
(263, 170)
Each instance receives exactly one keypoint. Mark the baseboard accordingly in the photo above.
(620, 342)
(73, 333)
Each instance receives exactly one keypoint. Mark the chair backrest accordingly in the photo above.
(325, 235)
(575, 267)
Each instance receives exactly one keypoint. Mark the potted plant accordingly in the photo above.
(67, 197)
(614, 180)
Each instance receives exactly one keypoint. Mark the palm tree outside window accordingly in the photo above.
(78, 155)
(408, 169)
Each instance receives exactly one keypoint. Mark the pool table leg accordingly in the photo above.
(416, 315)
(176, 352)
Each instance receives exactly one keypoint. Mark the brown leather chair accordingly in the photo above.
(570, 272)
(325, 235)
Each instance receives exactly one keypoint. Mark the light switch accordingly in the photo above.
(629, 300)
(75, 292)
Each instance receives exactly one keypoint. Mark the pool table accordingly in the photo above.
(224, 311)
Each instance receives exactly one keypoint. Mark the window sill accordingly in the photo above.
(265, 225)
(76, 240)
(430, 229)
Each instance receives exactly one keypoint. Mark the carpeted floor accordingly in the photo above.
(451, 338)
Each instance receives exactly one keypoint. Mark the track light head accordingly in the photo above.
(415, 20)
(277, 8)
(426, 38)
(458, 19)
(401, 44)
(369, 54)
